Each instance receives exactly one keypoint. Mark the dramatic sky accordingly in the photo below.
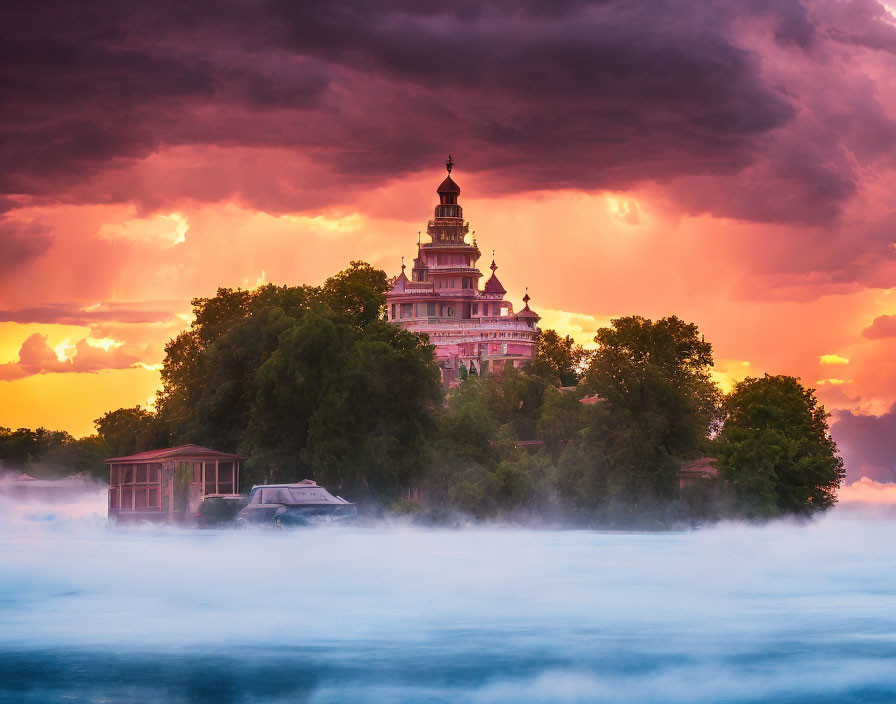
(729, 162)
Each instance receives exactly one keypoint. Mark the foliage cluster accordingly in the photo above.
(527, 442)
(49, 454)
(307, 382)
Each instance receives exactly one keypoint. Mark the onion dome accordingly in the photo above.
(493, 285)
(448, 190)
(448, 187)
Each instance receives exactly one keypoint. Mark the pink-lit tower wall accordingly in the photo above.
(470, 327)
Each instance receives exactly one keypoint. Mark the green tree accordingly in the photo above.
(208, 376)
(775, 449)
(516, 400)
(16, 447)
(50, 454)
(659, 404)
(559, 359)
(208, 371)
(347, 407)
(75, 456)
(126, 431)
(615, 472)
(358, 291)
(19, 448)
(559, 421)
(478, 465)
(290, 386)
(659, 373)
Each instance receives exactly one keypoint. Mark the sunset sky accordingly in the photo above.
(731, 163)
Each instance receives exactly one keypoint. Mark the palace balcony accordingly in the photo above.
(454, 269)
(490, 323)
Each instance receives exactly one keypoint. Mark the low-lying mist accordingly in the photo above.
(782, 612)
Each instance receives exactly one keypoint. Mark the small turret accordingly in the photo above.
(493, 285)
(529, 316)
(420, 271)
(448, 192)
(399, 285)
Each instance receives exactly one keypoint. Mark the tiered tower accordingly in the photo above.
(471, 328)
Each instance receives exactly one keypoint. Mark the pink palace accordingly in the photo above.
(471, 327)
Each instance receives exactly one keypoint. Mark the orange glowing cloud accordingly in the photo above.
(867, 491)
(87, 355)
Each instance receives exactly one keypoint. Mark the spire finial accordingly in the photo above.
(526, 297)
(449, 164)
(402, 265)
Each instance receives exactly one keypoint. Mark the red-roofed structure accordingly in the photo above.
(493, 285)
(527, 313)
(169, 484)
(470, 328)
(448, 186)
(697, 470)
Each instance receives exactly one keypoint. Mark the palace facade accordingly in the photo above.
(473, 328)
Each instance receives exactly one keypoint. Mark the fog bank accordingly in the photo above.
(793, 612)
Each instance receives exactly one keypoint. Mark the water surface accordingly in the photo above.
(781, 613)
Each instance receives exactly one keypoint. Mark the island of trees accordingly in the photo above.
(311, 382)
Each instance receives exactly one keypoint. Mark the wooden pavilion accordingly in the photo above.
(169, 484)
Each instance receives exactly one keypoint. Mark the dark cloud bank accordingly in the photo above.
(868, 444)
(548, 95)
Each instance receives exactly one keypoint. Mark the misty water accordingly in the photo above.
(389, 613)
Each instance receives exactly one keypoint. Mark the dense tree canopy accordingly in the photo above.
(348, 407)
(559, 359)
(20, 447)
(478, 466)
(309, 382)
(126, 431)
(659, 374)
(775, 449)
(50, 454)
(655, 405)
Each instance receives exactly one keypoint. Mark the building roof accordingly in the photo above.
(704, 466)
(493, 285)
(448, 186)
(191, 451)
(400, 282)
(527, 312)
(592, 399)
